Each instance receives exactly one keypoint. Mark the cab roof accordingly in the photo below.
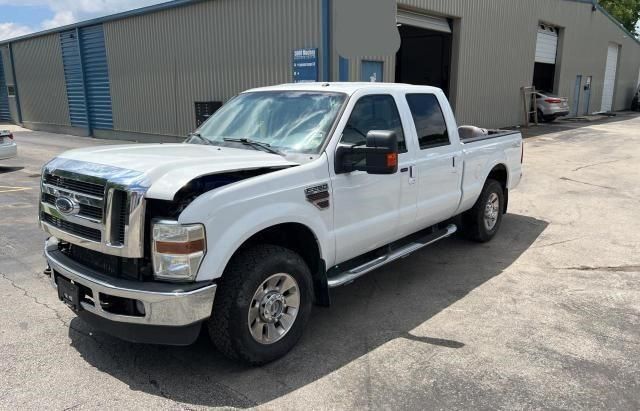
(346, 87)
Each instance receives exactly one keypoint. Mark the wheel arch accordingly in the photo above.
(500, 173)
(300, 239)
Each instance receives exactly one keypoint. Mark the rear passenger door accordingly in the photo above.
(438, 162)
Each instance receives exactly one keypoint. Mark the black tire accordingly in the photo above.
(473, 220)
(635, 104)
(228, 325)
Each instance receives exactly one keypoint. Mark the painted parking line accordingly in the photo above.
(9, 189)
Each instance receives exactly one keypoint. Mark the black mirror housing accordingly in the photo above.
(380, 154)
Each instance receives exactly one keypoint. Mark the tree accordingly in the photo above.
(626, 11)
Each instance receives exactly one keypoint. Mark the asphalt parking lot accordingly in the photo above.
(545, 316)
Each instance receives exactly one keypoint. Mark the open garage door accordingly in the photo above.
(424, 57)
(545, 62)
(610, 77)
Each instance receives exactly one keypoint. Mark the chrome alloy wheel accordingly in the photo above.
(274, 308)
(491, 210)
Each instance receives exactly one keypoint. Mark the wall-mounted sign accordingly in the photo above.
(305, 65)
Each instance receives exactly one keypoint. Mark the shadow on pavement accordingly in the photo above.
(383, 306)
(572, 124)
(4, 170)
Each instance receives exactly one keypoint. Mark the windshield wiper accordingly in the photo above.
(199, 137)
(253, 143)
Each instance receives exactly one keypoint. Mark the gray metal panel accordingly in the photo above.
(496, 43)
(161, 63)
(40, 79)
(489, 78)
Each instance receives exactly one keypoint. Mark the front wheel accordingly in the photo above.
(262, 305)
(481, 223)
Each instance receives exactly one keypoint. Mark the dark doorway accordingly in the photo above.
(544, 76)
(424, 57)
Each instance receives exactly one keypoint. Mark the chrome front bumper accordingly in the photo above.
(165, 304)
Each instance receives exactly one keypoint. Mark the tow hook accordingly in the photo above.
(47, 271)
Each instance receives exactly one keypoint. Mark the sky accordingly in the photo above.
(19, 17)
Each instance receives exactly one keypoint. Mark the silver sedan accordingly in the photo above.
(8, 147)
(551, 107)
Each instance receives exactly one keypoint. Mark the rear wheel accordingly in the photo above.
(262, 305)
(481, 223)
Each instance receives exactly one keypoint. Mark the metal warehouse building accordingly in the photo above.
(154, 73)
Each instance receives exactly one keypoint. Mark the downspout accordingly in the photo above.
(15, 84)
(326, 40)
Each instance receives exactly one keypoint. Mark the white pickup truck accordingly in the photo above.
(285, 193)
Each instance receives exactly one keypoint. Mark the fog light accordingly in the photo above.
(140, 307)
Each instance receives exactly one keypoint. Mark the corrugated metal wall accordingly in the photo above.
(74, 78)
(497, 42)
(8, 78)
(5, 114)
(96, 76)
(161, 63)
(40, 80)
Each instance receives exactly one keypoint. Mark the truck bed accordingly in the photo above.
(492, 134)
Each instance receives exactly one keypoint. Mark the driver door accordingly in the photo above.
(368, 208)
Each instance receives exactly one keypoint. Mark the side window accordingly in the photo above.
(429, 120)
(373, 112)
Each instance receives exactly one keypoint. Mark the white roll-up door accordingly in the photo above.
(610, 77)
(423, 21)
(546, 44)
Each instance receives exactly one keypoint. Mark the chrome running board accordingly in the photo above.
(351, 275)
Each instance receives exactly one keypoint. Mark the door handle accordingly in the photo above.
(412, 174)
(404, 169)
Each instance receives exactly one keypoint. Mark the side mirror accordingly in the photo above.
(379, 156)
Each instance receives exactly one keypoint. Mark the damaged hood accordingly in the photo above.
(163, 168)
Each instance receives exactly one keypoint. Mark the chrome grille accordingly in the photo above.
(73, 228)
(105, 207)
(86, 210)
(82, 187)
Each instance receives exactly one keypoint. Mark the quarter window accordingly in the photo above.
(373, 112)
(429, 120)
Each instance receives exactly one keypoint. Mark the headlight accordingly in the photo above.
(178, 250)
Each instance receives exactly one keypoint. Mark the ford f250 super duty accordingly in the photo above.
(283, 194)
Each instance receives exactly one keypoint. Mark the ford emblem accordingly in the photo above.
(65, 205)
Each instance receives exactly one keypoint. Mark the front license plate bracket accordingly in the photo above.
(69, 293)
